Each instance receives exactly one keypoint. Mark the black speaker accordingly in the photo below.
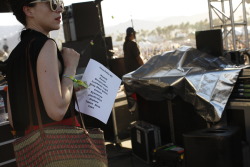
(213, 147)
(156, 113)
(117, 66)
(99, 50)
(184, 116)
(84, 48)
(210, 41)
(66, 26)
(82, 20)
(89, 48)
(109, 46)
(238, 114)
(236, 57)
(4, 7)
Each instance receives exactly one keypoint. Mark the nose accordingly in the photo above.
(60, 7)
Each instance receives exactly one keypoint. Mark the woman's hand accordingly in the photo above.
(79, 87)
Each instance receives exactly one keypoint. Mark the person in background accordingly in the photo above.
(131, 51)
(132, 61)
(5, 46)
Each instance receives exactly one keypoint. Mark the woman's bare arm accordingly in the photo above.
(56, 94)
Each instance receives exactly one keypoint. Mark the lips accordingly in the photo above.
(58, 19)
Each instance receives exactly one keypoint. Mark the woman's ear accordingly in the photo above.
(27, 10)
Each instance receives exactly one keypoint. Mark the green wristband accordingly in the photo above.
(76, 81)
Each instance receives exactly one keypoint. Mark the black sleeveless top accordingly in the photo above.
(17, 78)
(131, 52)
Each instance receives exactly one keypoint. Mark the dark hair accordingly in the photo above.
(17, 9)
(127, 38)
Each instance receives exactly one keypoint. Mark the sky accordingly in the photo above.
(118, 11)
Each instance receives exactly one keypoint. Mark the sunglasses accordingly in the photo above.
(54, 4)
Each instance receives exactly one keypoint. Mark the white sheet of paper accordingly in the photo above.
(98, 99)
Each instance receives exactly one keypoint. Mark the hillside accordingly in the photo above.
(12, 33)
(149, 25)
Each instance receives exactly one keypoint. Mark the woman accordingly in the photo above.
(51, 67)
(52, 79)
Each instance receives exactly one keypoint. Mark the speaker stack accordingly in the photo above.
(4, 7)
(84, 32)
(237, 108)
(216, 147)
(174, 117)
(210, 41)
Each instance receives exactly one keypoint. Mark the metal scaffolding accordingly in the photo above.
(225, 11)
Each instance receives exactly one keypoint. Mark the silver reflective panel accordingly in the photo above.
(198, 78)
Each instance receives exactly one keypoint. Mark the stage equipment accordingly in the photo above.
(235, 57)
(84, 48)
(226, 12)
(210, 41)
(117, 127)
(122, 117)
(197, 77)
(83, 20)
(90, 48)
(7, 152)
(174, 117)
(216, 147)
(238, 107)
(4, 7)
(6, 139)
(169, 155)
(145, 138)
(84, 32)
(109, 46)
(117, 66)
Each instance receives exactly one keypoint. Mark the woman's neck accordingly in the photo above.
(36, 28)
